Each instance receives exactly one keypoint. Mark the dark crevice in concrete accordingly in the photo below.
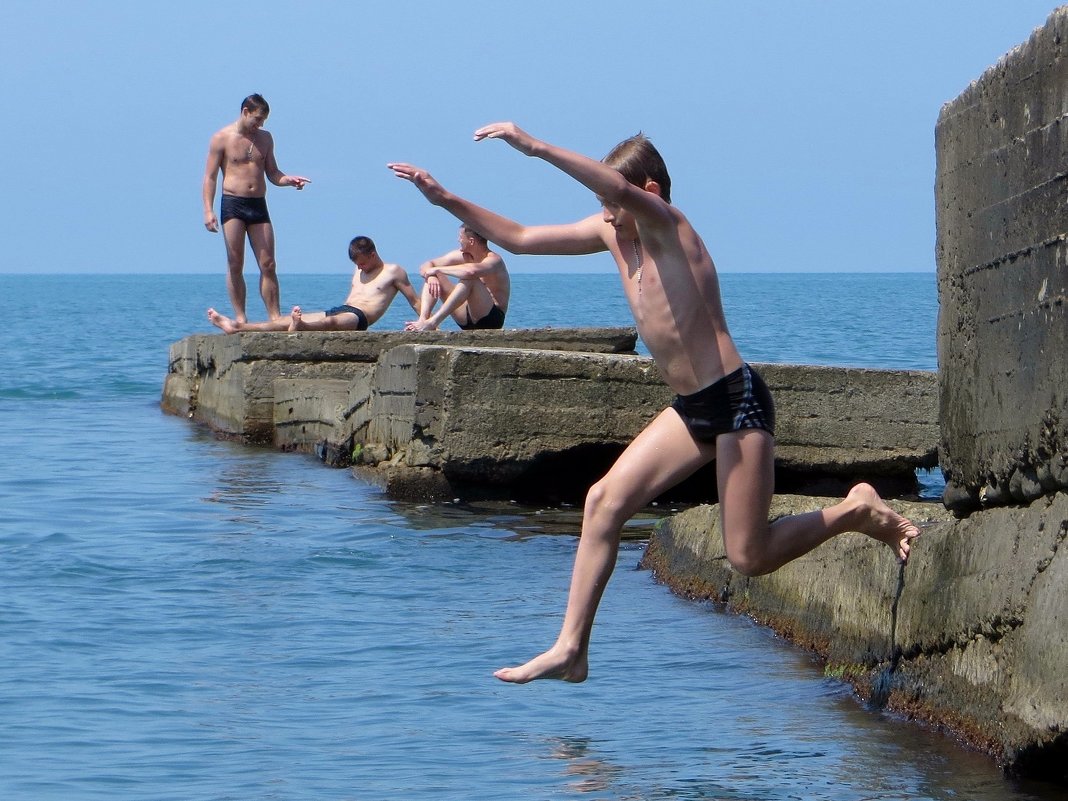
(1047, 762)
(880, 691)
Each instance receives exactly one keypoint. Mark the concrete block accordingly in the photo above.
(1002, 220)
(227, 382)
(970, 635)
(309, 411)
(500, 417)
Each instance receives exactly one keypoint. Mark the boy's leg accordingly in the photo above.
(295, 321)
(234, 237)
(659, 457)
(321, 321)
(426, 302)
(745, 475)
(261, 237)
(456, 294)
(478, 300)
(428, 321)
(233, 326)
(455, 303)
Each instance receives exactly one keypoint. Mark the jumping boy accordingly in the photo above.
(723, 410)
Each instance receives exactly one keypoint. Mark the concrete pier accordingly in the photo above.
(532, 415)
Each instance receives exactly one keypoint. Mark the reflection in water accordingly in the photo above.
(521, 521)
(246, 485)
(587, 772)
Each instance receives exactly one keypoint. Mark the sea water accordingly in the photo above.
(187, 618)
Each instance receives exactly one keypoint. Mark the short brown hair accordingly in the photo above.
(361, 245)
(472, 232)
(256, 103)
(638, 161)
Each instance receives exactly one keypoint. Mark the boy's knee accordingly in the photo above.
(745, 565)
(602, 500)
(746, 553)
(462, 288)
(748, 561)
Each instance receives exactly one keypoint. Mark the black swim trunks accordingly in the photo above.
(250, 210)
(735, 402)
(361, 318)
(494, 319)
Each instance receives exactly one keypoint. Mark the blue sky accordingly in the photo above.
(799, 135)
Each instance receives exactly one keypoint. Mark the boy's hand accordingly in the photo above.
(424, 181)
(510, 133)
(434, 286)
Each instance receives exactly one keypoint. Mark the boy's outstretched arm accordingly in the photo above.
(572, 239)
(604, 181)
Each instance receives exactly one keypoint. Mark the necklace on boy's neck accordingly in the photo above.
(637, 263)
(248, 155)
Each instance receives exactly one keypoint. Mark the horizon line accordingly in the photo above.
(513, 272)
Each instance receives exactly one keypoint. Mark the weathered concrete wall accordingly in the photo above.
(432, 419)
(511, 417)
(228, 382)
(972, 634)
(852, 421)
(547, 423)
(1002, 220)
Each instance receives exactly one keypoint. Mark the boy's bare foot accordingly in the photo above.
(547, 666)
(222, 321)
(295, 321)
(882, 523)
(420, 325)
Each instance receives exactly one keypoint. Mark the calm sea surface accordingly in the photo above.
(183, 618)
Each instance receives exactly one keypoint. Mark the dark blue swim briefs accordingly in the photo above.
(494, 319)
(250, 210)
(361, 318)
(735, 402)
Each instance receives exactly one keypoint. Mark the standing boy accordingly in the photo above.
(723, 411)
(244, 152)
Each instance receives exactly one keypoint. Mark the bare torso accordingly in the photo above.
(245, 159)
(372, 292)
(497, 281)
(676, 305)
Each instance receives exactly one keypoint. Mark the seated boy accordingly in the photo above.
(374, 285)
(472, 284)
